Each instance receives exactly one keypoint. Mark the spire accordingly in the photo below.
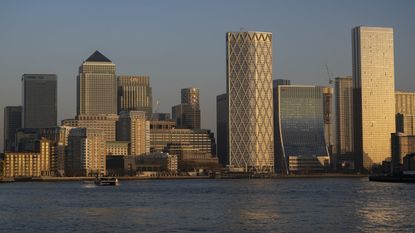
(97, 56)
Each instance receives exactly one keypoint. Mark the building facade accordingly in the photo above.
(134, 94)
(405, 112)
(86, 153)
(343, 91)
(118, 148)
(96, 86)
(133, 127)
(39, 100)
(201, 139)
(374, 94)
(300, 123)
(250, 107)
(222, 129)
(12, 122)
(187, 114)
(105, 122)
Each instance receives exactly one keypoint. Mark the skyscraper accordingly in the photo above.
(374, 94)
(12, 122)
(96, 86)
(343, 91)
(39, 100)
(249, 95)
(187, 114)
(134, 94)
(222, 128)
(300, 123)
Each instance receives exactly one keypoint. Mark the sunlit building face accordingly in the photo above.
(249, 91)
(374, 93)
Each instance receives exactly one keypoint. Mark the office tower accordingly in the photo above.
(134, 94)
(133, 127)
(105, 122)
(187, 114)
(374, 94)
(96, 86)
(39, 100)
(12, 122)
(190, 95)
(405, 102)
(280, 163)
(250, 107)
(86, 152)
(300, 127)
(201, 139)
(222, 129)
(405, 112)
(343, 91)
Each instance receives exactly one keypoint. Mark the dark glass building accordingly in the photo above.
(39, 100)
(12, 122)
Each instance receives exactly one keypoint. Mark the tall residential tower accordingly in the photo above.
(374, 94)
(249, 95)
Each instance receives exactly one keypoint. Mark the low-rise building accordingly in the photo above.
(308, 164)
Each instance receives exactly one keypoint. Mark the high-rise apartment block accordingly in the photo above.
(343, 91)
(374, 94)
(39, 100)
(12, 122)
(133, 127)
(97, 86)
(187, 114)
(250, 101)
(86, 152)
(134, 94)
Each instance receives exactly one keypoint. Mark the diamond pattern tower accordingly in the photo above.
(250, 107)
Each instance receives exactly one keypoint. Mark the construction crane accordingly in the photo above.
(329, 75)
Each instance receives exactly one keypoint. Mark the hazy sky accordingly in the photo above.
(182, 43)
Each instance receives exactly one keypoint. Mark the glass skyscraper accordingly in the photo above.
(250, 107)
(39, 100)
(374, 94)
(300, 123)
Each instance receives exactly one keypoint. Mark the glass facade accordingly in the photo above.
(300, 122)
(39, 100)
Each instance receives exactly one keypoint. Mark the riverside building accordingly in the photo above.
(250, 101)
(374, 94)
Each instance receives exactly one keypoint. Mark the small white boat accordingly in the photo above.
(106, 181)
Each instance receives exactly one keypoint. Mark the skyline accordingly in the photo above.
(177, 52)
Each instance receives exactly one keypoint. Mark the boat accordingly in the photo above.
(405, 177)
(106, 181)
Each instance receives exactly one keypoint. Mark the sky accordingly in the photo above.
(182, 43)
